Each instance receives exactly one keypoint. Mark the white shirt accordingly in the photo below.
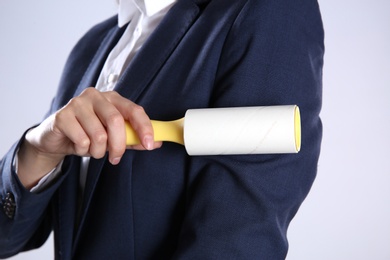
(143, 17)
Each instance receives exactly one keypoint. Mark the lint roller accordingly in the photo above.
(233, 130)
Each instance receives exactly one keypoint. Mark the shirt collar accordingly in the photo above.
(127, 8)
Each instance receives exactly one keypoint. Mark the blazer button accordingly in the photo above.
(9, 205)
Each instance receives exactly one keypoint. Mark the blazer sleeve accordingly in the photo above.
(26, 217)
(22, 213)
(239, 207)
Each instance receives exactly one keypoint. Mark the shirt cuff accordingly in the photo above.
(46, 180)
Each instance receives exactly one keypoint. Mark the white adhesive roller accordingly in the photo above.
(238, 130)
(242, 130)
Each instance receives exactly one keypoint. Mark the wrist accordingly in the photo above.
(33, 164)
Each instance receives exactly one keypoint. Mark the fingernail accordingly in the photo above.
(148, 142)
(115, 161)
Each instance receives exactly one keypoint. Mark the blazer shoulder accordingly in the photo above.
(79, 59)
(97, 33)
(87, 45)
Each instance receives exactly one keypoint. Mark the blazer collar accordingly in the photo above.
(151, 56)
(157, 49)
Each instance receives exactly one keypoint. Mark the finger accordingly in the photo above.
(96, 132)
(104, 124)
(82, 109)
(141, 124)
(137, 118)
(68, 126)
(114, 124)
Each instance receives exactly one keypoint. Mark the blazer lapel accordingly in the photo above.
(94, 168)
(67, 206)
(89, 79)
(91, 75)
(140, 72)
(156, 50)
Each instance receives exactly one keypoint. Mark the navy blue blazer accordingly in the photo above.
(164, 204)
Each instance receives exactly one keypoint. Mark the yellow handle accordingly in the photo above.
(171, 131)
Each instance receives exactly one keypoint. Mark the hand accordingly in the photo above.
(89, 125)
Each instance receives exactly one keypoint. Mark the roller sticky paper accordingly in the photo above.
(237, 130)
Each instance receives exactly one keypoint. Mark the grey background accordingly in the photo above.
(347, 213)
